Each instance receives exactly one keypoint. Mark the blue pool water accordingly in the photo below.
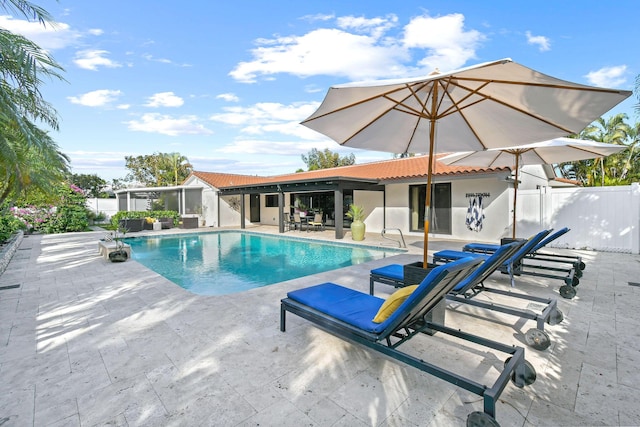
(225, 262)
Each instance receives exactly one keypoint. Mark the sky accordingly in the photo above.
(226, 84)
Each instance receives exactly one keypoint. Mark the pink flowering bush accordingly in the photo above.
(69, 213)
(33, 218)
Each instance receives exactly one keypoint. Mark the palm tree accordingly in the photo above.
(631, 171)
(28, 165)
(179, 167)
(23, 68)
(614, 130)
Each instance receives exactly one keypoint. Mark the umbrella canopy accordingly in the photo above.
(550, 152)
(473, 108)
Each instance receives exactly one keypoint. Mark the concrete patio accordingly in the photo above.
(86, 342)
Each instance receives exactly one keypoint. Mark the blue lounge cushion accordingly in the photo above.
(480, 247)
(456, 255)
(359, 309)
(392, 271)
(350, 306)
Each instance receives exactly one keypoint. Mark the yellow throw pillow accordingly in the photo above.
(393, 302)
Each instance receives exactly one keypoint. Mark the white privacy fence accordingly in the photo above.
(600, 218)
(107, 206)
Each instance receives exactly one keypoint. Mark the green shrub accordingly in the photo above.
(9, 224)
(71, 212)
(144, 214)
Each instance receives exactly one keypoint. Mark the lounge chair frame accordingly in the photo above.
(519, 265)
(550, 313)
(550, 260)
(389, 340)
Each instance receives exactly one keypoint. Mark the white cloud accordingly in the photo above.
(266, 117)
(164, 99)
(249, 146)
(92, 59)
(543, 42)
(96, 32)
(448, 45)
(229, 97)
(323, 51)
(49, 37)
(318, 17)
(168, 125)
(96, 159)
(608, 76)
(363, 48)
(150, 57)
(96, 98)
(374, 26)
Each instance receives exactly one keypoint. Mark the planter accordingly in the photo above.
(357, 230)
(132, 224)
(414, 273)
(118, 256)
(189, 222)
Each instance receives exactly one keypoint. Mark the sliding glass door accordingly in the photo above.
(440, 221)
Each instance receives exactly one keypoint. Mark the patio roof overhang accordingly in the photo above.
(305, 185)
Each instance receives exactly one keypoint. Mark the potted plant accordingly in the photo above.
(119, 254)
(356, 215)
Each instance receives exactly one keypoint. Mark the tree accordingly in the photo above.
(26, 166)
(613, 130)
(180, 167)
(92, 185)
(158, 169)
(28, 155)
(326, 159)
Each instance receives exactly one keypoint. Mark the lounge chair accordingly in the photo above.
(517, 265)
(574, 260)
(349, 314)
(473, 285)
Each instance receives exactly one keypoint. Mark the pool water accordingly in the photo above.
(226, 262)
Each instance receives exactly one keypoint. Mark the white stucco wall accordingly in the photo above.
(228, 215)
(495, 207)
(371, 202)
(397, 212)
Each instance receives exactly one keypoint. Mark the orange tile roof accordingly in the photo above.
(220, 180)
(384, 170)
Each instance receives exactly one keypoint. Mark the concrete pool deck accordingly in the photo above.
(87, 342)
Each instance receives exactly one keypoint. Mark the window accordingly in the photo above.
(271, 201)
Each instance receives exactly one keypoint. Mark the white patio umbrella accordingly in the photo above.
(550, 152)
(474, 108)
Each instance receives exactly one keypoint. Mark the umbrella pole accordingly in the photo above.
(427, 200)
(515, 196)
(427, 208)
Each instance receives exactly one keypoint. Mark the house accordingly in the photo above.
(468, 202)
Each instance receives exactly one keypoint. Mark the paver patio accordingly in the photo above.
(87, 342)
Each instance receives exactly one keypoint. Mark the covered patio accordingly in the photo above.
(338, 188)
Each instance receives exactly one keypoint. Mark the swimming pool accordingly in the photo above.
(218, 263)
